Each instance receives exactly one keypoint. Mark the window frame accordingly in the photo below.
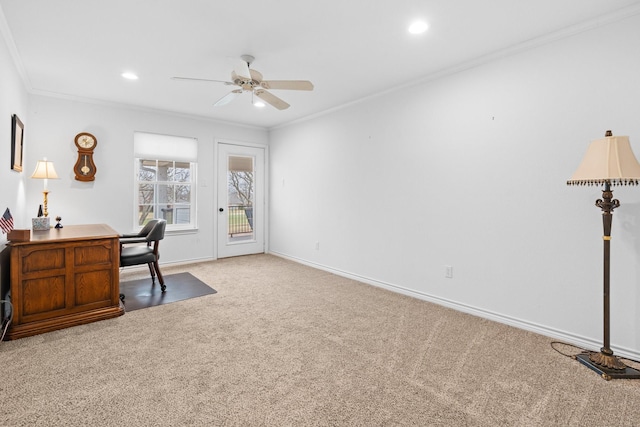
(193, 166)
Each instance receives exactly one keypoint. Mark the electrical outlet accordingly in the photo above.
(448, 271)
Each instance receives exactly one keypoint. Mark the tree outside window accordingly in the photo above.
(241, 187)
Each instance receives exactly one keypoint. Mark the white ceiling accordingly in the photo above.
(349, 49)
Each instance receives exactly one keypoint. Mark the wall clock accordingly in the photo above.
(84, 168)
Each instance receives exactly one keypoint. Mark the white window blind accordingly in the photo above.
(164, 147)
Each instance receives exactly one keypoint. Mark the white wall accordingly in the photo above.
(470, 171)
(109, 199)
(13, 100)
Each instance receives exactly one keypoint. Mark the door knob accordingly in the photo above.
(221, 209)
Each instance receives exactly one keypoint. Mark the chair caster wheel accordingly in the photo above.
(163, 288)
(122, 297)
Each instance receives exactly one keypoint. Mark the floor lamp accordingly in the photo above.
(608, 162)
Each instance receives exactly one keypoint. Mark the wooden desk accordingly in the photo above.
(64, 277)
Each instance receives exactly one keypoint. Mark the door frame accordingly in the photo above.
(216, 179)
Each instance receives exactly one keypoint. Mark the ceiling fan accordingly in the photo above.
(249, 80)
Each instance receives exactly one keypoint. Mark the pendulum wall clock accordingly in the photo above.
(84, 168)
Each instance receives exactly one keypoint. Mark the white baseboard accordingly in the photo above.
(557, 334)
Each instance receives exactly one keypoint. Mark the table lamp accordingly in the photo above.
(45, 170)
(608, 162)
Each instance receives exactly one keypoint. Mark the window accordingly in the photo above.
(165, 177)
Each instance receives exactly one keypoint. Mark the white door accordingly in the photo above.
(240, 200)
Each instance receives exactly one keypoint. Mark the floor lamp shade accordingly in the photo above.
(608, 161)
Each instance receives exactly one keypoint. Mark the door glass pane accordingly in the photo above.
(240, 196)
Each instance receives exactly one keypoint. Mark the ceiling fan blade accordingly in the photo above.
(287, 84)
(242, 69)
(270, 98)
(228, 98)
(201, 80)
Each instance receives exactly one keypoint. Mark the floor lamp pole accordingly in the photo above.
(604, 362)
(607, 204)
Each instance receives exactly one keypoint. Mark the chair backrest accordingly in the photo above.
(148, 227)
(157, 232)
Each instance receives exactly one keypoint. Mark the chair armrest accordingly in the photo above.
(132, 239)
(129, 235)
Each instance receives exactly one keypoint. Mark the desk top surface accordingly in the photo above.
(70, 232)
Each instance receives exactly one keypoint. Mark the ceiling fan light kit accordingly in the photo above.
(249, 80)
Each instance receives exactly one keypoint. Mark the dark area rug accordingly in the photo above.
(142, 294)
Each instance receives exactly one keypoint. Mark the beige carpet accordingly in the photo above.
(282, 344)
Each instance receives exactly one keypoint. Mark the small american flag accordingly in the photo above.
(6, 221)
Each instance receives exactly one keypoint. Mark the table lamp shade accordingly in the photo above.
(44, 170)
(609, 159)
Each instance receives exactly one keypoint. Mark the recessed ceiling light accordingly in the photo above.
(129, 76)
(418, 27)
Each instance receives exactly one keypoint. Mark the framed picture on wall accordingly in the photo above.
(17, 134)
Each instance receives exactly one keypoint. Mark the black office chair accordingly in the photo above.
(137, 254)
